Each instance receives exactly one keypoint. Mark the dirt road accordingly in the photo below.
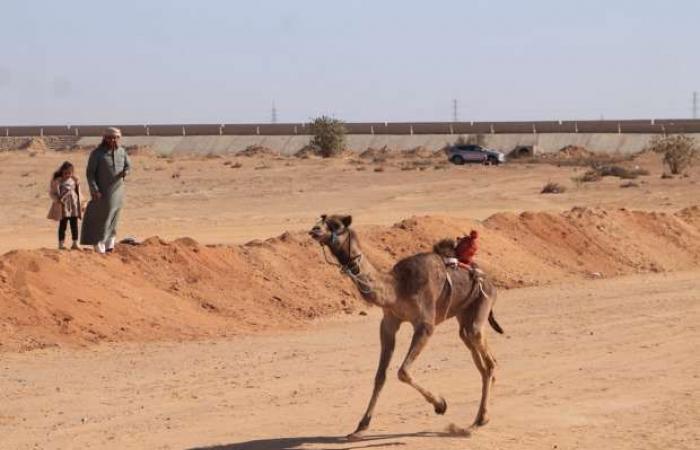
(594, 364)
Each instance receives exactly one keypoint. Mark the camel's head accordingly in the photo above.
(335, 233)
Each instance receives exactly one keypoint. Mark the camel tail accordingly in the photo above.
(494, 324)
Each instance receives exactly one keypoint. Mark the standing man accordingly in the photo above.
(107, 167)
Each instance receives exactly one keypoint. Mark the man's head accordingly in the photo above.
(111, 137)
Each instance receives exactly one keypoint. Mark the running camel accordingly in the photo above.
(423, 291)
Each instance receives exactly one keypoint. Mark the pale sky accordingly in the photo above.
(82, 62)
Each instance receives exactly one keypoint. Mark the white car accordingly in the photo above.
(460, 154)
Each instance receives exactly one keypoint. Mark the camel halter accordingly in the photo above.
(364, 287)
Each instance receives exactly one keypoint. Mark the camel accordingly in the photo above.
(422, 290)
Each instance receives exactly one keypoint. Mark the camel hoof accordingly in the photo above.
(480, 422)
(441, 407)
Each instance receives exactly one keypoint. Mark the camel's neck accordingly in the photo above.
(374, 286)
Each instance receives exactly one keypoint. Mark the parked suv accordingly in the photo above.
(460, 154)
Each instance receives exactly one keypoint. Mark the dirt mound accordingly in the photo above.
(569, 152)
(308, 151)
(421, 152)
(382, 153)
(35, 144)
(258, 150)
(184, 290)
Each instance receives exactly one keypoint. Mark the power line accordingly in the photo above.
(455, 110)
(274, 113)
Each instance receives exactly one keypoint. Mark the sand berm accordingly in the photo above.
(182, 290)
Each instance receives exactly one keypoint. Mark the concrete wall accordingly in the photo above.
(550, 142)
(624, 136)
(390, 128)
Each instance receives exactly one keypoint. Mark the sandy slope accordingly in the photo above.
(594, 364)
(182, 290)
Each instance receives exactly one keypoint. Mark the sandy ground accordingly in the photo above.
(597, 364)
(207, 199)
(179, 344)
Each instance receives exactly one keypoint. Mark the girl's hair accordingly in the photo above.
(65, 166)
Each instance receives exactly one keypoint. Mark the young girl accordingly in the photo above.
(65, 193)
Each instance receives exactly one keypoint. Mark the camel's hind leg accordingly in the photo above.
(421, 335)
(387, 334)
(472, 324)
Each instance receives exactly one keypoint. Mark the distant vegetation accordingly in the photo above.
(598, 172)
(553, 188)
(679, 151)
(329, 136)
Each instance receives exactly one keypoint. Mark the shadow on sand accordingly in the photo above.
(338, 443)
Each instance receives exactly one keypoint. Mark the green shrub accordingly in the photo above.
(329, 135)
(679, 151)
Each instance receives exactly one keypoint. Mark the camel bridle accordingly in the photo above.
(352, 267)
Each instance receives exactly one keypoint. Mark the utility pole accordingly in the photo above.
(455, 115)
(695, 105)
(274, 113)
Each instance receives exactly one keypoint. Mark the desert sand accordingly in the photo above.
(226, 329)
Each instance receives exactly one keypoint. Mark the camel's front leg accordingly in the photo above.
(387, 334)
(421, 335)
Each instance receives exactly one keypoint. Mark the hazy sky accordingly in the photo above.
(72, 62)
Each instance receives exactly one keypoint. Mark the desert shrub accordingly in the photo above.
(552, 188)
(596, 173)
(621, 172)
(329, 135)
(629, 184)
(679, 151)
(590, 176)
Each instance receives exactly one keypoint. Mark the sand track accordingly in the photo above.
(584, 365)
(182, 290)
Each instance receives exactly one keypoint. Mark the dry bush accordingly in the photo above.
(553, 188)
(589, 176)
(257, 150)
(597, 173)
(573, 156)
(379, 169)
(329, 135)
(629, 184)
(621, 172)
(679, 151)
